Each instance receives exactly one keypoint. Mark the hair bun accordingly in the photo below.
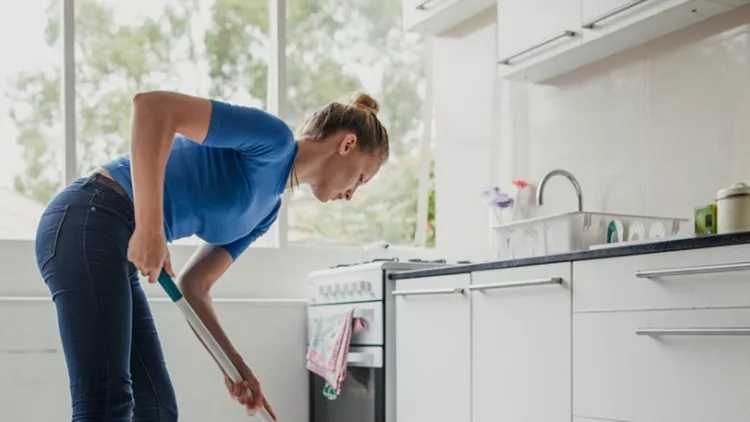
(366, 102)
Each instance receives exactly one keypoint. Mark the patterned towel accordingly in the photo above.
(329, 348)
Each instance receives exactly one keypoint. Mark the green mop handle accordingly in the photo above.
(175, 295)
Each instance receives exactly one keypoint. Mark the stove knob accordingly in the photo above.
(354, 287)
(363, 286)
(328, 290)
(336, 290)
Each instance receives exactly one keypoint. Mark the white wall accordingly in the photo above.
(271, 333)
(655, 130)
(464, 72)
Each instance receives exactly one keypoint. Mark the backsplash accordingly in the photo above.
(655, 130)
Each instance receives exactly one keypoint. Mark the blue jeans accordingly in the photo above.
(114, 359)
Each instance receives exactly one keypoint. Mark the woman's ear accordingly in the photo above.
(347, 144)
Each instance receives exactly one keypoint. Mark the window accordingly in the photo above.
(335, 47)
(220, 49)
(216, 48)
(30, 115)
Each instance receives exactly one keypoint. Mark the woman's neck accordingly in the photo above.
(311, 156)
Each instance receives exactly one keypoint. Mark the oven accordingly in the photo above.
(368, 393)
(362, 397)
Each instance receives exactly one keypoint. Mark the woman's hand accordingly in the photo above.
(149, 253)
(239, 391)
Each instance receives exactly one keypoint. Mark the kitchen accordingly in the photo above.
(644, 106)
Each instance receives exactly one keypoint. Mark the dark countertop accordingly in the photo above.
(703, 241)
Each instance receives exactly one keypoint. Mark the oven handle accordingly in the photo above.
(367, 314)
(360, 359)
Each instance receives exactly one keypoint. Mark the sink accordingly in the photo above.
(569, 232)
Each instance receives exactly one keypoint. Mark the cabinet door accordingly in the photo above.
(433, 343)
(662, 366)
(522, 344)
(436, 16)
(530, 31)
(643, 19)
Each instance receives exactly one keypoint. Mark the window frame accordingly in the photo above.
(277, 104)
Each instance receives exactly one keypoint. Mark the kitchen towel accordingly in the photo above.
(329, 348)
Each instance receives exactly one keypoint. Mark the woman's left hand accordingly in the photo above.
(241, 390)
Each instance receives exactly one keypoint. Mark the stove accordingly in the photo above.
(368, 393)
(376, 260)
(359, 282)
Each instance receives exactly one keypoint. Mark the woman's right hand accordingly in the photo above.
(148, 252)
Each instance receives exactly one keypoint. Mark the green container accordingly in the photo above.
(705, 219)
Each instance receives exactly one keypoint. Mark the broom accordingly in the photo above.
(175, 295)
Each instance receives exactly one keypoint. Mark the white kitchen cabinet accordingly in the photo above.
(700, 278)
(433, 349)
(435, 16)
(662, 366)
(533, 31)
(539, 39)
(626, 23)
(521, 347)
(602, 16)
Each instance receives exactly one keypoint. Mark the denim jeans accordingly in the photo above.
(112, 350)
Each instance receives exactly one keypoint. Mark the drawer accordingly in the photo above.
(522, 279)
(700, 278)
(694, 366)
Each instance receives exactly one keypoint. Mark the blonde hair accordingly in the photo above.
(359, 116)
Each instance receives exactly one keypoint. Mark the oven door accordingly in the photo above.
(362, 396)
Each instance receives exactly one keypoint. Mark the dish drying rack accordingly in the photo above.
(575, 231)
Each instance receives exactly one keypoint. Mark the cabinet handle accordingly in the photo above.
(627, 6)
(424, 4)
(703, 269)
(566, 34)
(740, 331)
(450, 291)
(525, 283)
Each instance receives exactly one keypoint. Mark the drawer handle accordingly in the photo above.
(565, 34)
(360, 359)
(740, 331)
(525, 283)
(424, 5)
(450, 291)
(627, 6)
(704, 269)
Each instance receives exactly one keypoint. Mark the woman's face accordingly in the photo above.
(345, 171)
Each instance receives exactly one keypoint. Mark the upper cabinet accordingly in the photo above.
(531, 32)
(436, 16)
(540, 39)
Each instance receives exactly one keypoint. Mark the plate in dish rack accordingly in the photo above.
(636, 242)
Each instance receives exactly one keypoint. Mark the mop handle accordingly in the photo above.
(175, 295)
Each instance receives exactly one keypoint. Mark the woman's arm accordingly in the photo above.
(197, 277)
(157, 117)
(200, 273)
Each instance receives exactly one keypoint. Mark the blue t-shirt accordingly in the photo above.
(226, 190)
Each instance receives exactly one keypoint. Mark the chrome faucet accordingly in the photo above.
(573, 180)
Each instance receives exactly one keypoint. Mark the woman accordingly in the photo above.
(196, 167)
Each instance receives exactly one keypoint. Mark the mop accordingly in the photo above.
(175, 295)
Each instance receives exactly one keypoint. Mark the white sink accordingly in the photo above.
(571, 232)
